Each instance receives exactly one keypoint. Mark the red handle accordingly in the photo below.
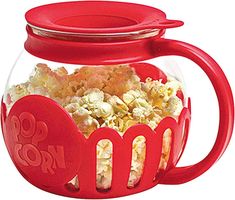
(164, 47)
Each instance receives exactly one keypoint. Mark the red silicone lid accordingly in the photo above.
(98, 17)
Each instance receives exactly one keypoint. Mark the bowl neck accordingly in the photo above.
(96, 37)
(92, 50)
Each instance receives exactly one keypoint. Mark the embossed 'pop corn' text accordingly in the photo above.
(28, 154)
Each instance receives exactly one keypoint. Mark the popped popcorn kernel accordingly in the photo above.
(72, 107)
(174, 106)
(138, 157)
(92, 96)
(18, 91)
(61, 71)
(104, 164)
(103, 110)
(120, 108)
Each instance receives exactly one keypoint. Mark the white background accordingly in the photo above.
(210, 25)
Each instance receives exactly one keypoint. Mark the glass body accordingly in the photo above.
(116, 96)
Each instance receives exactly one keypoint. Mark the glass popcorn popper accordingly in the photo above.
(87, 112)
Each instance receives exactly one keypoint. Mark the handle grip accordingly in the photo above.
(165, 47)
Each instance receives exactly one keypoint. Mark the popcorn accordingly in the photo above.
(61, 71)
(103, 110)
(154, 121)
(110, 122)
(138, 157)
(128, 122)
(174, 106)
(104, 164)
(107, 96)
(72, 107)
(18, 91)
(54, 82)
(93, 96)
(120, 108)
(113, 79)
(84, 121)
(132, 95)
(173, 86)
(165, 149)
(157, 93)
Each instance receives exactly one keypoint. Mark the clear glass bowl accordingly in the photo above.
(116, 96)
